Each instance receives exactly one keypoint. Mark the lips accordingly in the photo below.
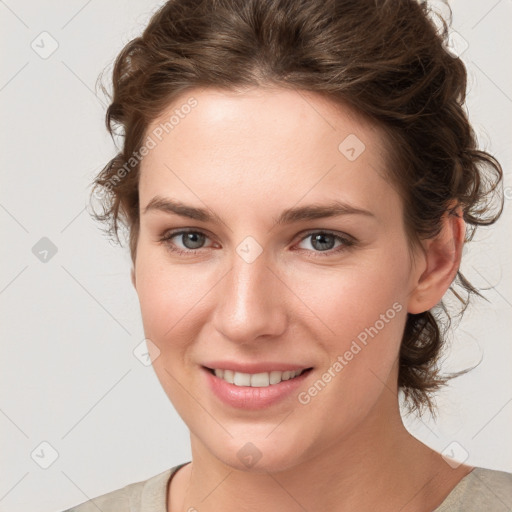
(253, 390)
(254, 367)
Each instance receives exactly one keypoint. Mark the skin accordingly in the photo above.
(248, 156)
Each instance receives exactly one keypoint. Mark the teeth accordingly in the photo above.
(242, 379)
(275, 377)
(255, 380)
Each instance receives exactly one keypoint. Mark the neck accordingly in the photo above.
(379, 466)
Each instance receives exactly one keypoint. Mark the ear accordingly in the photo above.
(441, 260)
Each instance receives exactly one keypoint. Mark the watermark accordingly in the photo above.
(455, 454)
(44, 455)
(146, 352)
(249, 455)
(150, 143)
(45, 45)
(455, 45)
(351, 147)
(249, 249)
(44, 250)
(356, 346)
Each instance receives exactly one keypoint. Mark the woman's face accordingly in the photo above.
(296, 258)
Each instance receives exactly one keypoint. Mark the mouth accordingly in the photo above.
(256, 380)
(254, 391)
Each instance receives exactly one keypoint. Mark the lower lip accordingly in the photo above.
(247, 397)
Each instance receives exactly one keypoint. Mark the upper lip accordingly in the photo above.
(254, 367)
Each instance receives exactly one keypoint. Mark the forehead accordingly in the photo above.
(262, 140)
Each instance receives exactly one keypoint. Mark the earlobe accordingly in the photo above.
(133, 277)
(442, 255)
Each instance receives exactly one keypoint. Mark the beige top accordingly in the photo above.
(482, 490)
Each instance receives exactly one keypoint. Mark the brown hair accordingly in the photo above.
(386, 58)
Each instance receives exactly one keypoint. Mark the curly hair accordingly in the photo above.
(388, 59)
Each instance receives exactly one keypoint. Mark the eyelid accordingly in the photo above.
(168, 235)
(339, 234)
(346, 239)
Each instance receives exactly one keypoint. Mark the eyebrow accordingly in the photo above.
(168, 205)
(288, 216)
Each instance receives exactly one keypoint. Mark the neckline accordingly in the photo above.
(171, 476)
(461, 483)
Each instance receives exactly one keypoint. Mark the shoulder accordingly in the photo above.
(482, 489)
(145, 496)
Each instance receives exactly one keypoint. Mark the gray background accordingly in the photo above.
(70, 320)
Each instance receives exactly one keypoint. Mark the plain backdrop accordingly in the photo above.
(80, 415)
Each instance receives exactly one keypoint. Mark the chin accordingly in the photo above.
(275, 463)
(260, 454)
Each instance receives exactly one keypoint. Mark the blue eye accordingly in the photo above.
(192, 241)
(325, 242)
(192, 238)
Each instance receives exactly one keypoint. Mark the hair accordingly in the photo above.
(387, 59)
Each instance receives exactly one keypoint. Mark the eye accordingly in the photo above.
(325, 242)
(191, 241)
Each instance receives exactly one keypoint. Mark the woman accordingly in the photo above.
(298, 179)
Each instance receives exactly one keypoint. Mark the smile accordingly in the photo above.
(256, 380)
(254, 391)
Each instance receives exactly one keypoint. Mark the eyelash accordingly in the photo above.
(346, 242)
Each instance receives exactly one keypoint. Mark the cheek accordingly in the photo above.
(351, 298)
(362, 309)
(167, 289)
(170, 298)
(365, 313)
(171, 309)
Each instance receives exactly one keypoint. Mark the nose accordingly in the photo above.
(250, 302)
